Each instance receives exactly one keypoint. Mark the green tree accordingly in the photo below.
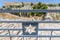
(11, 6)
(59, 4)
(3, 6)
(22, 4)
(39, 6)
(52, 5)
(31, 4)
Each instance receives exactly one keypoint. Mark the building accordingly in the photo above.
(15, 5)
(18, 6)
(53, 15)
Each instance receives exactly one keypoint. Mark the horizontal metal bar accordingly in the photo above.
(10, 29)
(48, 29)
(38, 29)
(29, 21)
(27, 36)
(36, 10)
(49, 36)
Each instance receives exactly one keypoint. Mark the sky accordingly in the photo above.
(43, 1)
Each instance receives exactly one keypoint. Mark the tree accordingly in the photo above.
(3, 6)
(11, 6)
(22, 4)
(59, 4)
(39, 6)
(31, 4)
(52, 5)
(19, 6)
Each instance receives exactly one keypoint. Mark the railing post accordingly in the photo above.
(51, 34)
(9, 34)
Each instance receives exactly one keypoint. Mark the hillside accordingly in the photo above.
(8, 16)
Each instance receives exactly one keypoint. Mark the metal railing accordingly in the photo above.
(13, 11)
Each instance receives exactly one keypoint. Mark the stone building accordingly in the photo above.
(53, 15)
(18, 6)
